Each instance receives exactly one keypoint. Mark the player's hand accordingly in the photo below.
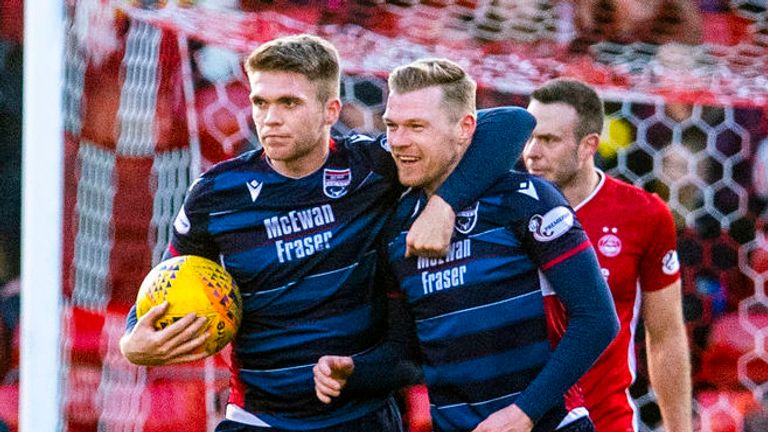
(331, 374)
(509, 419)
(180, 342)
(430, 234)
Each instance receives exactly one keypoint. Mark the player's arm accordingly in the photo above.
(391, 365)
(662, 311)
(592, 325)
(384, 369)
(668, 359)
(182, 341)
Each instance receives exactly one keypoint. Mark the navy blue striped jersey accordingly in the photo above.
(480, 312)
(303, 254)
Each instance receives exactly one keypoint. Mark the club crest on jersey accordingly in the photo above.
(552, 225)
(609, 245)
(336, 182)
(670, 264)
(467, 219)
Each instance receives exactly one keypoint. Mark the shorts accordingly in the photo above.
(385, 419)
(584, 424)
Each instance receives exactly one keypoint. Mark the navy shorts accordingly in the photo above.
(583, 424)
(386, 419)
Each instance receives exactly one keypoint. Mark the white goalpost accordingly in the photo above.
(42, 200)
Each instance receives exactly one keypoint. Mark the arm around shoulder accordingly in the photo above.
(498, 140)
(592, 325)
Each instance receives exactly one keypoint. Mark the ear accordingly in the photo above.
(588, 146)
(332, 111)
(467, 126)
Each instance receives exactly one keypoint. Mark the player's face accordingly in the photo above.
(552, 151)
(425, 142)
(292, 124)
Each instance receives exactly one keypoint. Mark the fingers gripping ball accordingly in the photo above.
(194, 284)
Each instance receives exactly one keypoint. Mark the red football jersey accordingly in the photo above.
(634, 237)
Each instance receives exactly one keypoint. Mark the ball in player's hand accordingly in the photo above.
(194, 284)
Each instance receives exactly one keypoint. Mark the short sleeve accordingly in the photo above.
(659, 265)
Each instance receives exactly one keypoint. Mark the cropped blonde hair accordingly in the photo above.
(308, 55)
(458, 87)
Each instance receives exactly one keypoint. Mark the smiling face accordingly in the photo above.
(426, 142)
(293, 125)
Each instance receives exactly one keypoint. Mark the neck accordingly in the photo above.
(581, 186)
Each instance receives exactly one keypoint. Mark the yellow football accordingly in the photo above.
(194, 284)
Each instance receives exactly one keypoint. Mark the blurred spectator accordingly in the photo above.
(9, 304)
(12, 20)
(10, 143)
(625, 21)
(11, 35)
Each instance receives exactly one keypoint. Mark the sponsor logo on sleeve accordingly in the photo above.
(336, 182)
(467, 219)
(552, 225)
(181, 223)
(670, 264)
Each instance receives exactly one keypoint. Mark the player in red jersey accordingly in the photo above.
(634, 236)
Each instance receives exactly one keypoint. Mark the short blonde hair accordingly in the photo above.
(458, 87)
(308, 55)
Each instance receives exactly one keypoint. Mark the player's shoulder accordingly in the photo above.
(355, 140)
(519, 185)
(633, 196)
(247, 161)
(220, 179)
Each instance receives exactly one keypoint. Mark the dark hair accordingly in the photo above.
(583, 98)
(308, 55)
(458, 87)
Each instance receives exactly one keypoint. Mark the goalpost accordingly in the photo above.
(42, 186)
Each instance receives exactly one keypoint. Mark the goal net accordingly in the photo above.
(155, 93)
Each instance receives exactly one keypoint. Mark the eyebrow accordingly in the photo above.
(280, 99)
(407, 121)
